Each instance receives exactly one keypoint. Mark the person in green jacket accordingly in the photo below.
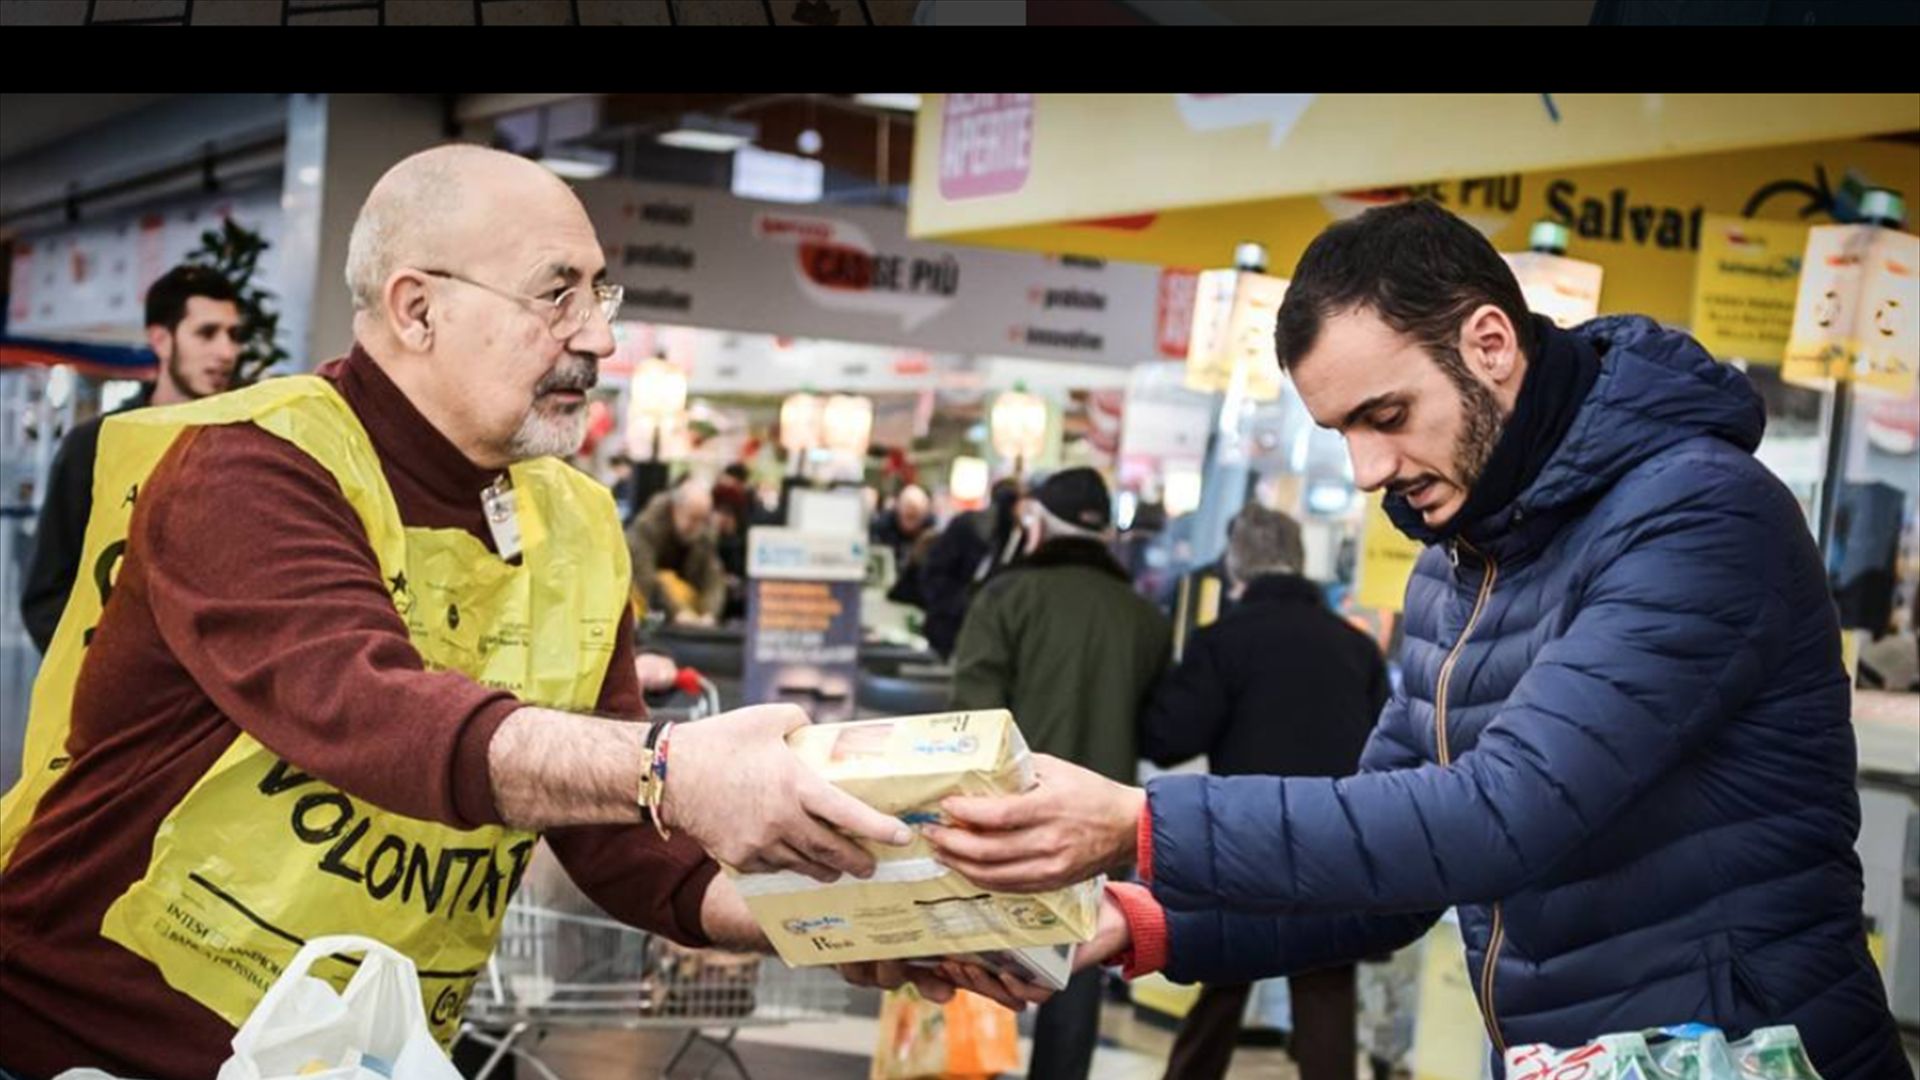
(1062, 640)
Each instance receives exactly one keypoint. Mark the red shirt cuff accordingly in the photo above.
(1146, 924)
(687, 899)
(1144, 846)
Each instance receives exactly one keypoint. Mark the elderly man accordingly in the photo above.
(902, 525)
(1623, 750)
(908, 530)
(1279, 686)
(676, 556)
(362, 648)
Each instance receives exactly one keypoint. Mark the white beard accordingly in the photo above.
(544, 433)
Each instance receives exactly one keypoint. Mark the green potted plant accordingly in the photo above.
(234, 251)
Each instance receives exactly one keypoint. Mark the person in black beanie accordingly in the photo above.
(1061, 639)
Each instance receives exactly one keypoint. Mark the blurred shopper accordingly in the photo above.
(908, 587)
(622, 479)
(1062, 640)
(1136, 547)
(196, 334)
(676, 556)
(907, 529)
(972, 548)
(1279, 686)
(758, 511)
(900, 526)
(732, 517)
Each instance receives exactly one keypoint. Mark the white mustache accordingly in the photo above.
(581, 378)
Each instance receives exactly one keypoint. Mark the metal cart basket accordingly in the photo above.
(562, 963)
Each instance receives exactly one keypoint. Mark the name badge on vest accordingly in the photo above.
(502, 519)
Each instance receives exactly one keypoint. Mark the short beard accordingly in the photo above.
(545, 433)
(178, 376)
(1481, 421)
(548, 435)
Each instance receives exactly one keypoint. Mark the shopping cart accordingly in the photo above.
(562, 964)
(690, 686)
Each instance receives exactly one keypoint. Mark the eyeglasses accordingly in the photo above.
(567, 311)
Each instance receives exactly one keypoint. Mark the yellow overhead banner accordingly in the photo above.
(1642, 221)
(994, 161)
(1744, 286)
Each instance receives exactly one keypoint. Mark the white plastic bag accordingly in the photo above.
(375, 1030)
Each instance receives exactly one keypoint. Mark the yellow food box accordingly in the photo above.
(913, 907)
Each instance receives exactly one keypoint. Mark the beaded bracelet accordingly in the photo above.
(653, 785)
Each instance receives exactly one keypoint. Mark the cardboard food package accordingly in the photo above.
(913, 908)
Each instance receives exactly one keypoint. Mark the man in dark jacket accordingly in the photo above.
(1280, 686)
(194, 329)
(972, 547)
(908, 530)
(1623, 749)
(1062, 640)
(901, 526)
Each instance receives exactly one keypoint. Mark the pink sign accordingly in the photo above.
(1174, 313)
(986, 144)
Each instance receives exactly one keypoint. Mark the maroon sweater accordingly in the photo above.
(250, 600)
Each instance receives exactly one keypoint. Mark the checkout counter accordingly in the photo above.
(897, 680)
(897, 675)
(894, 679)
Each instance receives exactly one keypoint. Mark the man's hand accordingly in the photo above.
(937, 984)
(655, 672)
(1014, 993)
(893, 974)
(1072, 825)
(726, 920)
(694, 618)
(735, 786)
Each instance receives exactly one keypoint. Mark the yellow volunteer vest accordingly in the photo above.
(260, 856)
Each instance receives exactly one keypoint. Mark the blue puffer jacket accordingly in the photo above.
(1624, 752)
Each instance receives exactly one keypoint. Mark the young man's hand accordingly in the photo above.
(1072, 825)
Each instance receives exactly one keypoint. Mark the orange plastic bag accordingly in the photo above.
(983, 1039)
(969, 1038)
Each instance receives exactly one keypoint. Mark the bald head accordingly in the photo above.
(475, 281)
(913, 508)
(693, 494)
(692, 509)
(444, 206)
